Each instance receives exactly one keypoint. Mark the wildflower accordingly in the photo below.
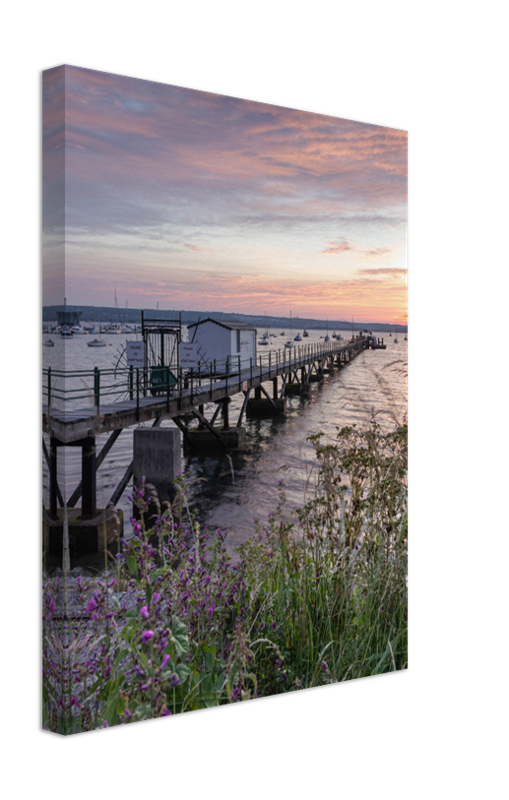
(175, 680)
(165, 661)
(127, 714)
(166, 712)
(144, 612)
(146, 636)
(112, 583)
(157, 597)
(92, 605)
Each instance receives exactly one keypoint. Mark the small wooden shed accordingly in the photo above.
(223, 340)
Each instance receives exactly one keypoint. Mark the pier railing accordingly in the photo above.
(96, 387)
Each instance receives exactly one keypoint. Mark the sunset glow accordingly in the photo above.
(198, 201)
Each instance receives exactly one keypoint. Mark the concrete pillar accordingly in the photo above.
(156, 455)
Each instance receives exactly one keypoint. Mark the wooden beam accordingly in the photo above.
(208, 425)
(244, 404)
(269, 398)
(180, 425)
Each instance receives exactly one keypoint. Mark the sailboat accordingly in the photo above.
(327, 338)
(288, 342)
(97, 342)
(49, 343)
(265, 336)
(305, 334)
(396, 341)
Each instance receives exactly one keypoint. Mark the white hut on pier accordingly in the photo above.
(219, 341)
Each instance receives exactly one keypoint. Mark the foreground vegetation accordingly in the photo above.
(319, 599)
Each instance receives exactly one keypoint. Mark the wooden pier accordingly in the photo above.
(182, 399)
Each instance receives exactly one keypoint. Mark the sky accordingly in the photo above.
(195, 201)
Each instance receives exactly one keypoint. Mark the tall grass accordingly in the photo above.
(319, 599)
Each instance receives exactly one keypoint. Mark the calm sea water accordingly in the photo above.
(230, 491)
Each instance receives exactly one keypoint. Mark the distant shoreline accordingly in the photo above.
(133, 315)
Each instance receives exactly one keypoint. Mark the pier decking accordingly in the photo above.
(69, 424)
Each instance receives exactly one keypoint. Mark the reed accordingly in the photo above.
(315, 600)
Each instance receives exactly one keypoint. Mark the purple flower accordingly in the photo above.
(92, 605)
(165, 661)
(175, 680)
(127, 714)
(144, 612)
(146, 636)
(112, 583)
(166, 713)
(157, 597)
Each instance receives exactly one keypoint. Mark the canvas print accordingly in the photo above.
(224, 400)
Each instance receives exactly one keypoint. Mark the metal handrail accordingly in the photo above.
(136, 382)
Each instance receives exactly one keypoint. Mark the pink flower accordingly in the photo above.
(144, 612)
(146, 635)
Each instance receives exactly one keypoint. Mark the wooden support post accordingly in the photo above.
(226, 419)
(99, 460)
(88, 469)
(53, 445)
(46, 456)
(258, 392)
(274, 388)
